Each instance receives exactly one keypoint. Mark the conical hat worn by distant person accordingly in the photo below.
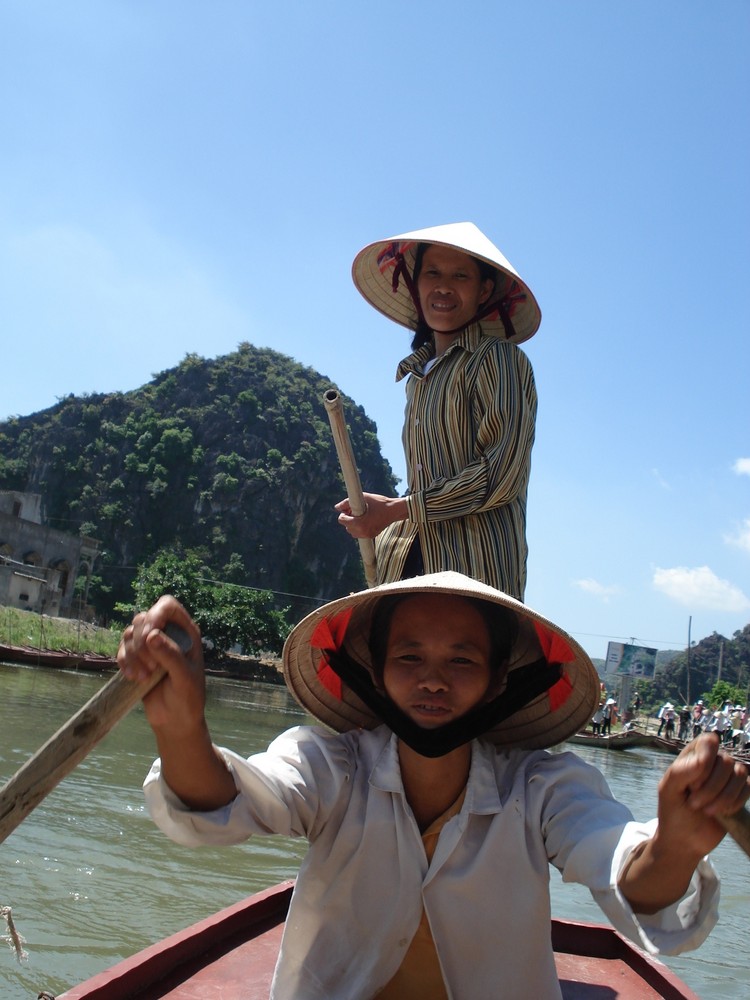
(383, 272)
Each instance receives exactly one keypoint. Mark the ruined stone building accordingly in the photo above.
(39, 565)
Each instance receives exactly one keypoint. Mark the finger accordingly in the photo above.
(718, 790)
(734, 793)
(166, 628)
(131, 647)
(171, 618)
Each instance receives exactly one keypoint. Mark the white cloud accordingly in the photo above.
(596, 589)
(660, 479)
(700, 589)
(742, 536)
(742, 467)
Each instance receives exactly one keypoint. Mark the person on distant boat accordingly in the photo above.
(664, 715)
(669, 717)
(684, 728)
(432, 809)
(608, 713)
(720, 723)
(698, 718)
(596, 720)
(470, 407)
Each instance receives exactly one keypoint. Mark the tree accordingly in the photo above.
(722, 692)
(226, 613)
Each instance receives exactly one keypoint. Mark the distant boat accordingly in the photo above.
(65, 658)
(233, 954)
(625, 740)
(650, 741)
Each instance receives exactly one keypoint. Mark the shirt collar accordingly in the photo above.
(482, 793)
(468, 340)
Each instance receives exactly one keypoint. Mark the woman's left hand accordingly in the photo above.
(703, 782)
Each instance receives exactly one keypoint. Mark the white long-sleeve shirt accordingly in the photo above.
(365, 880)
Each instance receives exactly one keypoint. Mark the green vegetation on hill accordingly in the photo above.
(230, 458)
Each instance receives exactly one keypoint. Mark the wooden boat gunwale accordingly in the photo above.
(162, 969)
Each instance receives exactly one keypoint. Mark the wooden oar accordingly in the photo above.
(73, 740)
(335, 410)
(738, 828)
(67, 748)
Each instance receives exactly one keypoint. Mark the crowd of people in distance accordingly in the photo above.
(731, 722)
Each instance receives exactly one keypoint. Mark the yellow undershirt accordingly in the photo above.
(419, 976)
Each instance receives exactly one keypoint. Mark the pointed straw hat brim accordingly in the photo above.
(372, 273)
(545, 721)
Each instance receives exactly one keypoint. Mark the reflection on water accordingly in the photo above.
(91, 880)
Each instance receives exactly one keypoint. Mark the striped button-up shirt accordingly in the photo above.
(468, 433)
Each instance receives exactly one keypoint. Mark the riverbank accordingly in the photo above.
(36, 640)
(35, 631)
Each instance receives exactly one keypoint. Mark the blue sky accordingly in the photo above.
(180, 176)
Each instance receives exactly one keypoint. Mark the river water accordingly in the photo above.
(90, 880)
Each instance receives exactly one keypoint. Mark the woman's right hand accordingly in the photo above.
(175, 708)
(176, 705)
(380, 511)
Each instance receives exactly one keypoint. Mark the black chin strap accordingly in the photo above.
(523, 686)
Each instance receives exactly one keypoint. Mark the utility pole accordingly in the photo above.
(721, 660)
(690, 622)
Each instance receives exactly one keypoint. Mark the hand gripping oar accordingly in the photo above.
(334, 407)
(73, 741)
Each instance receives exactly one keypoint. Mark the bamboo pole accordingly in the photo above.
(335, 410)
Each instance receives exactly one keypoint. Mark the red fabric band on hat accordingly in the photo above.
(554, 647)
(393, 256)
(328, 635)
(556, 650)
(329, 632)
(328, 678)
(559, 693)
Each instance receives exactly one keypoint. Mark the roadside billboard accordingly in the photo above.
(632, 661)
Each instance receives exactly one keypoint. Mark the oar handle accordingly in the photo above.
(67, 748)
(335, 410)
(738, 828)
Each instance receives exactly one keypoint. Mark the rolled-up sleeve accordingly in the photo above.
(684, 925)
(591, 842)
(286, 790)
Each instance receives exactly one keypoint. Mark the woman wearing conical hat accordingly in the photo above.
(470, 407)
(433, 811)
